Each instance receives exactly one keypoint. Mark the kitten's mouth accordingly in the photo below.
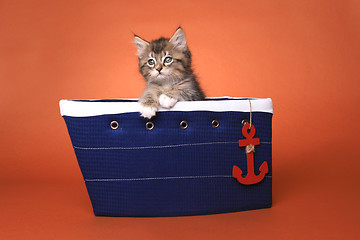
(160, 75)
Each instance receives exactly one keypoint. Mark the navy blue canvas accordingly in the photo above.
(169, 171)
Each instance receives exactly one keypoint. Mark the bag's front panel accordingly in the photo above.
(166, 171)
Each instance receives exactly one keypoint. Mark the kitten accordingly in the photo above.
(166, 66)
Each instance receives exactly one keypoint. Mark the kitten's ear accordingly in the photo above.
(141, 45)
(178, 39)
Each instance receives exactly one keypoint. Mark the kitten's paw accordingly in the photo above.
(147, 112)
(167, 102)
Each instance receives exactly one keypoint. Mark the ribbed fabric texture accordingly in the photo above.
(170, 171)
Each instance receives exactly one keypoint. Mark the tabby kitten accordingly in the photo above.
(166, 66)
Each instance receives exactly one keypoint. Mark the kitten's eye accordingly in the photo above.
(151, 62)
(168, 60)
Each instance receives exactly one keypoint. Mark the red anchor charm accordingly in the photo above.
(249, 143)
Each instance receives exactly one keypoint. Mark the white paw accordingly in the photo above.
(147, 112)
(167, 102)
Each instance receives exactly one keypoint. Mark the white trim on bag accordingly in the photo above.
(86, 108)
(154, 178)
(159, 147)
(157, 178)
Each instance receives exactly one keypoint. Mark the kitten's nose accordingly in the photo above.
(158, 67)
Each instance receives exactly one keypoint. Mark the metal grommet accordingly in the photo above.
(184, 125)
(149, 126)
(215, 123)
(245, 121)
(114, 125)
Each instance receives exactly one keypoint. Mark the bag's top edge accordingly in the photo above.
(87, 108)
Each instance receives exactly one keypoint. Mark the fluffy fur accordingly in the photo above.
(166, 66)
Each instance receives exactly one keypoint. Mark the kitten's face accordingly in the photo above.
(164, 61)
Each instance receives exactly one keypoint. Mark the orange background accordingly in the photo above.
(303, 54)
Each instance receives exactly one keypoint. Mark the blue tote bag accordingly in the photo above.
(183, 161)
